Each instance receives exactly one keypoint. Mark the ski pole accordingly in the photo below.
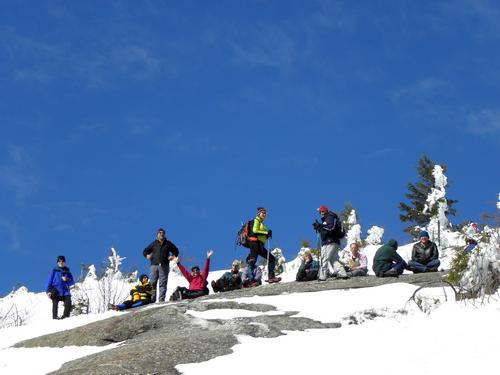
(268, 252)
(320, 245)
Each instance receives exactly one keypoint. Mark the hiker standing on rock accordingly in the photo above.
(57, 288)
(330, 236)
(158, 254)
(257, 241)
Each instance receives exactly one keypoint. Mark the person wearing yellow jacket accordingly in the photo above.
(257, 239)
(141, 295)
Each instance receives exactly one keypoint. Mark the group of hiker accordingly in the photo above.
(331, 263)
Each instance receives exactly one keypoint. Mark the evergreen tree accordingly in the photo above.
(417, 194)
(344, 215)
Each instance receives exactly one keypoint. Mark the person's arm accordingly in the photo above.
(330, 222)
(206, 267)
(69, 279)
(184, 272)
(173, 250)
(148, 250)
(363, 261)
(434, 252)
(50, 280)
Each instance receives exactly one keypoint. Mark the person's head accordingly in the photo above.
(160, 234)
(261, 212)
(354, 248)
(235, 266)
(424, 236)
(143, 278)
(61, 260)
(323, 210)
(307, 256)
(195, 271)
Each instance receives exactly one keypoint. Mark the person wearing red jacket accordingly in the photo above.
(197, 281)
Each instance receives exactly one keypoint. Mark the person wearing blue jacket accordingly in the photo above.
(57, 287)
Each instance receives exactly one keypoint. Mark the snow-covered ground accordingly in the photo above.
(455, 337)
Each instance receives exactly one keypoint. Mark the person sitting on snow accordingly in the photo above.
(252, 275)
(141, 295)
(309, 268)
(197, 281)
(425, 255)
(230, 280)
(387, 262)
(356, 262)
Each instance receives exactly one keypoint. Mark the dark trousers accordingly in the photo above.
(131, 304)
(257, 248)
(184, 293)
(302, 275)
(67, 306)
(225, 286)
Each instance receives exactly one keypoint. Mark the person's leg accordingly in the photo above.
(163, 280)
(220, 285)
(399, 267)
(416, 267)
(325, 256)
(338, 268)
(263, 252)
(153, 276)
(190, 294)
(359, 272)
(254, 251)
(55, 305)
(311, 275)
(433, 265)
(301, 275)
(67, 306)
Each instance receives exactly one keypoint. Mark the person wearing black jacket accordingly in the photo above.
(425, 255)
(160, 252)
(330, 244)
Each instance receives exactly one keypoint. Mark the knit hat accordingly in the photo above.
(423, 234)
(143, 276)
(259, 209)
(160, 230)
(323, 208)
(61, 258)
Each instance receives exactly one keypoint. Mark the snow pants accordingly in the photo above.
(330, 258)
(55, 306)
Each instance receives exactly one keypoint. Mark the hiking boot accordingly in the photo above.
(214, 286)
(273, 279)
(390, 273)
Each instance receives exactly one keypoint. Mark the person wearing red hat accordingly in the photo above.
(330, 244)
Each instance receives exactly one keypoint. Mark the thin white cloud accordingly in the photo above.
(484, 122)
(10, 238)
(423, 89)
(17, 174)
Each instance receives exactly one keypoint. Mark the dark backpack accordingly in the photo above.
(243, 234)
(338, 229)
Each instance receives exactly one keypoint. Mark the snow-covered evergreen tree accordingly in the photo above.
(375, 235)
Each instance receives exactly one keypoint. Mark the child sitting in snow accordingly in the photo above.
(141, 295)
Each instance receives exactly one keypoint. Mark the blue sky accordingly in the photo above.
(121, 117)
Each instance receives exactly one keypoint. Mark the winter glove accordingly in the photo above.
(316, 226)
(269, 233)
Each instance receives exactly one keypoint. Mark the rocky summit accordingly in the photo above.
(155, 340)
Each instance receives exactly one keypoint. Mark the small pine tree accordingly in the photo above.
(415, 211)
(344, 216)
